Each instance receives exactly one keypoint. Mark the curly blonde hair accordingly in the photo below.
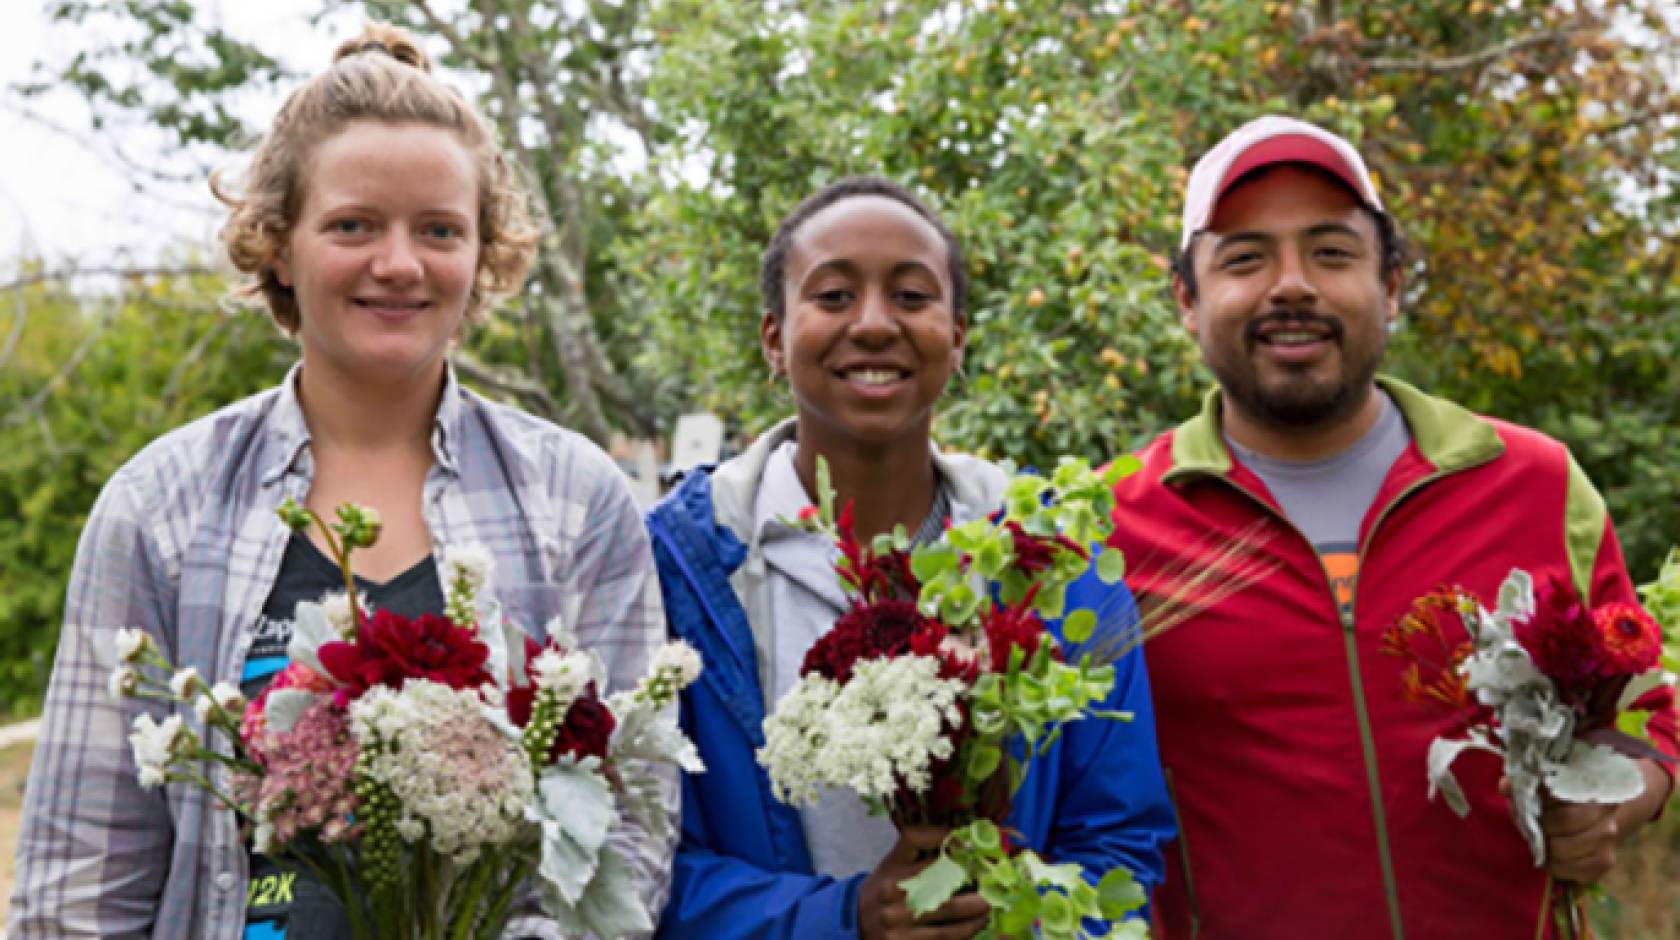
(381, 75)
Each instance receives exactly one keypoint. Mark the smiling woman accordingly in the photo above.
(864, 317)
(377, 218)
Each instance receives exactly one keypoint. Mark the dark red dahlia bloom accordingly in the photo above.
(589, 723)
(1629, 642)
(866, 631)
(390, 649)
(588, 727)
(1562, 639)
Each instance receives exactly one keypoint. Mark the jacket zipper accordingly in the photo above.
(1184, 859)
(1367, 740)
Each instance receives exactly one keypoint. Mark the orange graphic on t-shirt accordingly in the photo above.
(1343, 569)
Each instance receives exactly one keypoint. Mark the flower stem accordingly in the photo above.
(341, 554)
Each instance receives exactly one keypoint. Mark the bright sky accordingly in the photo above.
(64, 202)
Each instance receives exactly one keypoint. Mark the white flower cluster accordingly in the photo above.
(886, 726)
(675, 666)
(132, 643)
(461, 780)
(567, 674)
(155, 746)
(468, 567)
(678, 662)
(225, 696)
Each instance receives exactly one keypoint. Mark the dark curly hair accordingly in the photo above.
(773, 273)
(1391, 247)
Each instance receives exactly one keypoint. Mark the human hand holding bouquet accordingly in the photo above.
(428, 771)
(933, 693)
(1559, 690)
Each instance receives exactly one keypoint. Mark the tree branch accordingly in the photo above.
(506, 381)
(122, 271)
(457, 42)
(1471, 60)
(32, 407)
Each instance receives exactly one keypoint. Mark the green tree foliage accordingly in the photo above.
(1522, 146)
(1526, 147)
(84, 384)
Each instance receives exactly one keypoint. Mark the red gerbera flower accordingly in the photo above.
(390, 649)
(1629, 642)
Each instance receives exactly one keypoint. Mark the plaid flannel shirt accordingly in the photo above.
(184, 542)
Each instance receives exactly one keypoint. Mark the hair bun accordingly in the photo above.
(393, 41)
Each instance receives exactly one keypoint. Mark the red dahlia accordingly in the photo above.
(1562, 639)
(866, 631)
(390, 649)
(588, 727)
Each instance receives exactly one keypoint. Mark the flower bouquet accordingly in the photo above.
(430, 772)
(933, 693)
(1556, 689)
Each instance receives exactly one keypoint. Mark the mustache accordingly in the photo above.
(1285, 318)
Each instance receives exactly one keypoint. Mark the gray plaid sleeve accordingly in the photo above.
(93, 850)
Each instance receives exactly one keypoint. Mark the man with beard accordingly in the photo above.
(1296, 763)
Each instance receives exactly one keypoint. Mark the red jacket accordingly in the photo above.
(1296, 764)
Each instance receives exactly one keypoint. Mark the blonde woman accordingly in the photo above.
(377, 218)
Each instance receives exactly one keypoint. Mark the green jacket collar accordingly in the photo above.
(1449, 436)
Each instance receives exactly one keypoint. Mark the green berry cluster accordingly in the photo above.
(544, 726)
(381, 852)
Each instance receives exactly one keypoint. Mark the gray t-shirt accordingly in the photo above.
(1328, 499)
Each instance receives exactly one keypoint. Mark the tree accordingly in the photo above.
(561, 86)
(1525, 147)
(1056, 137)
(85, 382)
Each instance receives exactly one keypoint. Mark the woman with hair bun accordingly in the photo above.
(377, 218)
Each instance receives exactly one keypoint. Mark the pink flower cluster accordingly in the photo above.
(309, 773)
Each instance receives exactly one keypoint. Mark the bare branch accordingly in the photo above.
(110, 150)
(122, 271)
(457, 42)
(16, 334)
(32, 408)
(506, 381)
(1471, 60)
